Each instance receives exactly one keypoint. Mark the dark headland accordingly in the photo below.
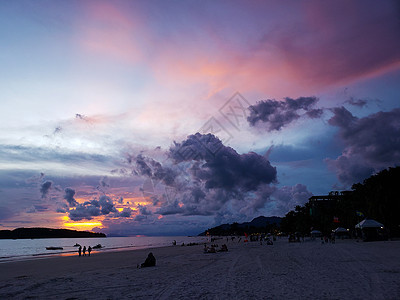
(259, 224)
(46, 233)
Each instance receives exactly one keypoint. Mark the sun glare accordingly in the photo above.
(84, 225)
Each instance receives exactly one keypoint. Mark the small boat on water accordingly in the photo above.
(77, 245)
(54, 248)
(98, 246)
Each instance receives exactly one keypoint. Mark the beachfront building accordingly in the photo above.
(326, 210)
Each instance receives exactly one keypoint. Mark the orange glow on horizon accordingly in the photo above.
(83, 224)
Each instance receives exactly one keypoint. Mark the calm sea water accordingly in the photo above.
(36, 248)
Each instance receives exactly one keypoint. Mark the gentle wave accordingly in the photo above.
(26, 249)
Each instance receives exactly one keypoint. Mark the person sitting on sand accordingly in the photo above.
(149, 262)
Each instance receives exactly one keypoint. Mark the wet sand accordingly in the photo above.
(309, 270)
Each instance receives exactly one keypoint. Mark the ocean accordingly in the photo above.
(25, 249)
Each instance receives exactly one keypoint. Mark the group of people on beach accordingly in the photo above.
(213, 248)
(82, 252)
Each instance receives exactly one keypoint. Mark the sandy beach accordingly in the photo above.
(309, 270)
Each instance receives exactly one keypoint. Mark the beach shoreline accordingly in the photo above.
(344, 270)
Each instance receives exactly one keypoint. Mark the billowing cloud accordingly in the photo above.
(94, 208)
(219, 166)
(273, 114)
(84, 211)
(45, 187)
(125, 213)
(371, 144)
(69, 196)
(148, 167)
(203, 177)
(107, 205)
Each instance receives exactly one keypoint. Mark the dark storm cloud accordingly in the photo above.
(225, 169)
(371, 144)
(342, 118)
(315, 113)
(151, 168)
(142, 167)
(171, 209)
(69, 196)
(203, 177)
(94, 208)
(274, 115)
(45, 187)
(107, 205)
(82, 211)
(125, 213)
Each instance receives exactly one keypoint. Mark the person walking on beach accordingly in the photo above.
(84, 250)
(80, 250)
(89, 250)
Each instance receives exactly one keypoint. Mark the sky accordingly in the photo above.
(171, 117)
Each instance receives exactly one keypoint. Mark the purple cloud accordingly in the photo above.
(274, 115)
(45, 187)
(69, 196)
(226, 169)
(94, 208)
(208, 177)
(357, 102)
(84, 211)
(371, 144)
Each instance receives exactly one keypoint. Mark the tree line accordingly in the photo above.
(377, 197)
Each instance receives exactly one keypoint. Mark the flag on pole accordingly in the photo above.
(359, 213)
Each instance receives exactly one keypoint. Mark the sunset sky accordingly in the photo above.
(170, 117)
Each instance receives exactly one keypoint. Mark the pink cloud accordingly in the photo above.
(317, 45)
(111, 32)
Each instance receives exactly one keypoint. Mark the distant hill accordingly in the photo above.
(46, 233)
(257, 225)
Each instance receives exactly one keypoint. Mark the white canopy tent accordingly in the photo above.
(340, 230)
(369, 223)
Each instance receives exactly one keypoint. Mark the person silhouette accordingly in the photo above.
(149, 262)
(89, 250)
(84, 251)
(80, 250)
